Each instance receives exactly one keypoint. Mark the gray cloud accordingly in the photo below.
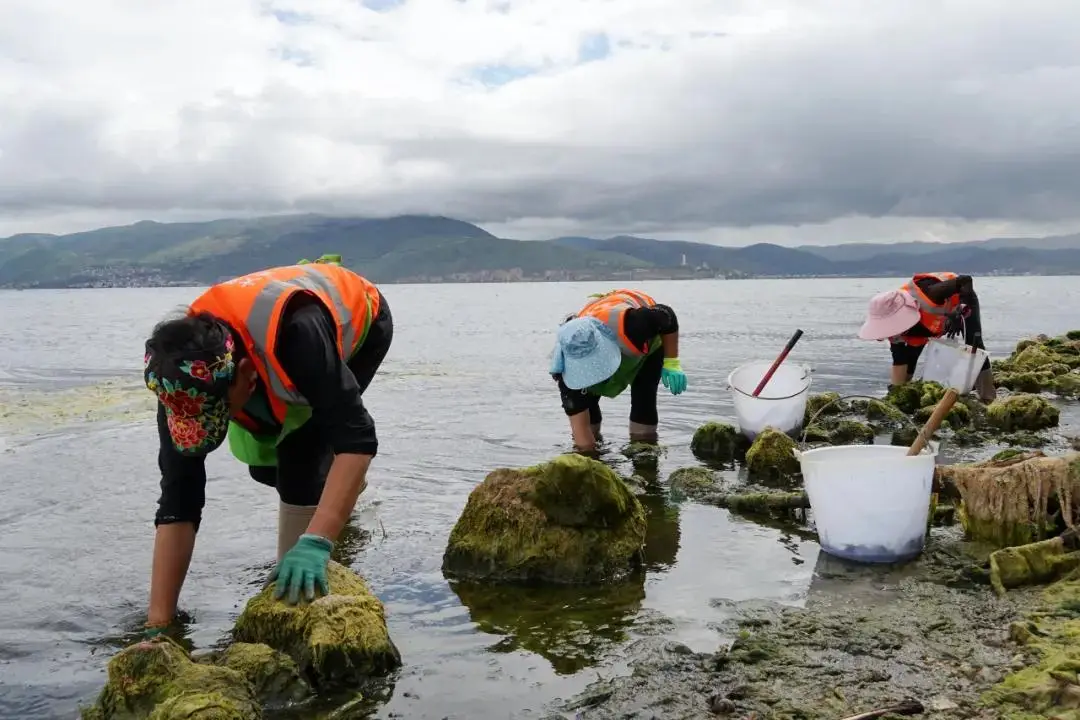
(970, 114)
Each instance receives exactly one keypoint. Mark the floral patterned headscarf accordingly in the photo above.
(195, 392)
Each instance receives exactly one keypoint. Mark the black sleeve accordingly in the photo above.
(183, 480)
(307, 350)
(940, 291)
(643, 324)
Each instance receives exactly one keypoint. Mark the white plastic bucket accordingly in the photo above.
(952, 364)
(870, 502)
(781, 403)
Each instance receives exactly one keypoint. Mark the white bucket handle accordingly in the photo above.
(807, 371)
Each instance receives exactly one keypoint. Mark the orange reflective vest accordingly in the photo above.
(253, 306)
(611, 308)
(931, 315)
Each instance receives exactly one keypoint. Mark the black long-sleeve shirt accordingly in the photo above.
(307, 350)
(641, 326)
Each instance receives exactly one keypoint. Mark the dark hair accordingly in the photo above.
(188, 335)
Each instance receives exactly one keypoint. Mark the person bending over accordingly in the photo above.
(930, 305)
(277, 361)
(620, 339)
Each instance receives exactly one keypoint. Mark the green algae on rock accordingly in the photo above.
(822, 405)
(880, 411)
(959, 416)
(158, 679)
(1034, 563)
(718, 442)
(771, 455)
(338, 640)
(273, 674)
(570, 520)
(910, 396)
(1022, 412)
(761, 503)
(1013, 501)
(693, 482)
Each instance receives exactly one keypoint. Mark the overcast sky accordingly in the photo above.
(727, 121)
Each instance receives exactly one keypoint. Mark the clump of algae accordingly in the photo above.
(274, 675)
(718, 442)
(338, 640)
(772, 456)
(158, 680)
(570, 520)
(1022, 412)
(1007, 502)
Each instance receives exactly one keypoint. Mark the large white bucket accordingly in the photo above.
(952, 364)
(870, 502)
(781, 403)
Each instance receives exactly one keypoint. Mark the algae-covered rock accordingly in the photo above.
(1067, 386)
(337, 640)
(881, 411)
(958, 416)
(825, 404)
(851, 432)
(570, 520)
(158, 679)
(904, 437)
(1022, 412)
(693, 482)
(1032, 564)
(911, 396)
(718, 442)
(273, 674)
(1013, 501)
(1029, 382)
(771, 456)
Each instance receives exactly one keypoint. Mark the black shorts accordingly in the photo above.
(642, 395)
(304, 457)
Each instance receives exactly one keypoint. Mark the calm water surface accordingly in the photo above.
(463, 390)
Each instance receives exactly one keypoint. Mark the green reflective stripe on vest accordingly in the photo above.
(625, 374)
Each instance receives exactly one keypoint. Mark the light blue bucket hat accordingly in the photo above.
(586, 353)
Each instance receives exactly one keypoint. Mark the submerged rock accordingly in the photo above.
(338, 640)
(158, 679)
(1022, 412)
(839, 431)
(693, 482)
(882, 411)
(1016, 500)
(570, 520)
(718, 442)
(771, 455)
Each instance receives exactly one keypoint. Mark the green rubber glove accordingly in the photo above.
(672, 376)
(303, 567)
(151, 632)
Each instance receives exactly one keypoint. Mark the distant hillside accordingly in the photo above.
(419, 248)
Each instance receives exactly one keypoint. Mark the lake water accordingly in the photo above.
(464, 390)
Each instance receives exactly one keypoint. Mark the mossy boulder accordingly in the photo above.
(771, 455)
(718, 442)
(693, 482)
(158, 679)
(911, 396)
(274, 675)
(823, 405)
(851, 432)
(882, 411)
(570, 520)
(1028, 382)
(959, 416)
(1067, 386)
(1022, 412)
(338, 640)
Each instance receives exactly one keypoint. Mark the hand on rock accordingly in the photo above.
(303, 567)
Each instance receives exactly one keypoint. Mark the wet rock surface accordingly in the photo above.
(570, 520)
(930, 631)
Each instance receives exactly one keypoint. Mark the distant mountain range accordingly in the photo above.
(416, 248)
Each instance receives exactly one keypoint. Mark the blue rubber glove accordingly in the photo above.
(303, 568)
(672, 376)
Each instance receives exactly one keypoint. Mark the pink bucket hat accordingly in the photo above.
(890, 313)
